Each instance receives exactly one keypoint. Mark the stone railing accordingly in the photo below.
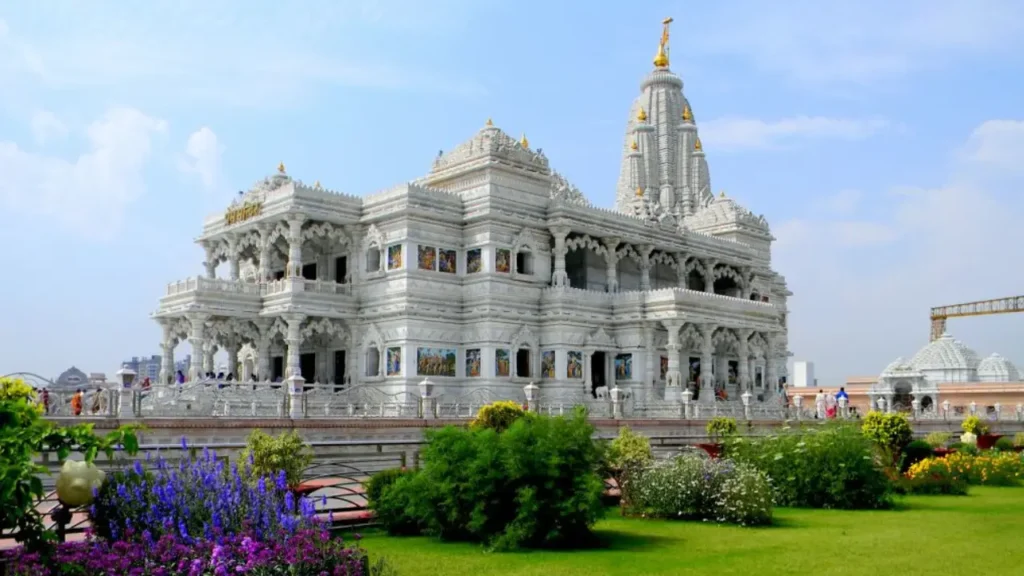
(302, 285)
(201, 284)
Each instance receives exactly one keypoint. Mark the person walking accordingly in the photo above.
(76, 403)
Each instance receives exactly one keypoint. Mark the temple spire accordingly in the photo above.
(661, 58)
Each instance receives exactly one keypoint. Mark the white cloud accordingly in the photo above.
(202, 156)
(90, 193)
(861, 41)
(863, 287)
(734, 133)
(46, 127)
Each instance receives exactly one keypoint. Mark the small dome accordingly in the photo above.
(897, 368)
(725, 210)
(995, 368)
(945, 354)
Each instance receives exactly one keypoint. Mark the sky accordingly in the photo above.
(882, 140)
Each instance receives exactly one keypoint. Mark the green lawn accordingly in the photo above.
(976, 534)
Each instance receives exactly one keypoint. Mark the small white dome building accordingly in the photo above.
(946, 360)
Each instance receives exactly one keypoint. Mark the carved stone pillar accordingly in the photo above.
(681, 269)
(707, 382)
(588, 378)
(674, 376)
(559, 277)
(209, 352)
(233, 359)
(748, 278)
(295, 245)
(167, 350)
(262, 346)
(294, 341)
(209, 264)
(770, 365)
(263, 266)
(612, 261)
(233, 257)
(645, 266)
(743, 370)
(652, 357)
(709, 274)
(197, 338)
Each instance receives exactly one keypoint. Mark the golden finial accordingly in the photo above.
(280, 167)
(642, 115)
(639, 191)
(524, 142)
(697, 145)
(721, 194)
(634, 146)
(661, 59)
(316, 185)
(687, 113)
(489, 122)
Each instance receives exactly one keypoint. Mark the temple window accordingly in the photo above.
(373, 361)
(373, 259)
(576, 268)
(695, 281)
(755, 296)
(309, 271)
(727, 286)
(524, 263)
(279, 275)
(340, 269)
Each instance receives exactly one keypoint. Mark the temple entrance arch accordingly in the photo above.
(927, 404)
(901, 396)
(598, 370)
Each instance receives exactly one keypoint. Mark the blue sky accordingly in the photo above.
(883, 144)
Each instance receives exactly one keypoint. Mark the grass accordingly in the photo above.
(975, 534)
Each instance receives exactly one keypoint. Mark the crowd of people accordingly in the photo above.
(826, 405)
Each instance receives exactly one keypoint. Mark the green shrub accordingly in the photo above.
(891, 432)
(720, 427)
(974, 425)
(938, 439)
(381, 481)
(533, 485)
(626, 458)
(498, 415)
(1004, 444)
(695, 488)
(270, 455)
(1018, 440)
(915, 452)
(827, 467)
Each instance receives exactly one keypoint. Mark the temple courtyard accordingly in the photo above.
(975, 534)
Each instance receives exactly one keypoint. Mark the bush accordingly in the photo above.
(720, 427)
(498, 416)
(827, 467)
(626, 458)
(989, 469)
(915, 452)
(381, 481)
(974, 425)
(535, 484)
(935, 476)
(695, 488)
(268, 456)
(196, 499)
(1018, 440)
(305, 553)
(891, 432)
(1004, 444)
(938, 439)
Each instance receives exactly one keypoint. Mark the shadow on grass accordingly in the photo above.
(619, 541)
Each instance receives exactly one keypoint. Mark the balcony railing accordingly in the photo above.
(202, 284)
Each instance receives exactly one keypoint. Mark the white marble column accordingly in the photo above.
(295, 245)
(674, 376)
(645, 265)
(265, 246)
(743, 368)
(770, 367)
(197, 338)
(707, 382)
(611, 260)
(294, 342)
(209, 264)
(588, 378)
(233, 257)
(167, 352)
(681, 269)
(559, 277)
(709, 276)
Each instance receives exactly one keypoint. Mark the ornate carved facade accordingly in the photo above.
(493, 270)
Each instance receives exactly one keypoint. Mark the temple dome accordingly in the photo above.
(725, 210)
(899, 368)
(947, 360)
(995, 368)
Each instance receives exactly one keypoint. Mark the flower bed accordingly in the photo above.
(695, 488)
(953, 473)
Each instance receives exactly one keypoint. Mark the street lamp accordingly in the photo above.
(76, 484)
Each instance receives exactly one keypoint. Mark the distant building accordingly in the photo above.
(150, 367)
(803, 375)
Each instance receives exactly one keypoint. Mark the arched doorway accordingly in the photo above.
(927, 404)
(901, 399)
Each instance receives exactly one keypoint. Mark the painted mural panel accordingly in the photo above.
(394, 361)
(574, 366)
(473, 363)
(623, 366)
(503, 260)
(664, 366)
(447, 261)
(547, 364)
(394, 257)
(474, 261)
(426, 258)
(502, 365)
(435, 361)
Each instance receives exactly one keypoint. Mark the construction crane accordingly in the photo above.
(981, 308)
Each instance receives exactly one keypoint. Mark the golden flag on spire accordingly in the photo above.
(664, 31)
